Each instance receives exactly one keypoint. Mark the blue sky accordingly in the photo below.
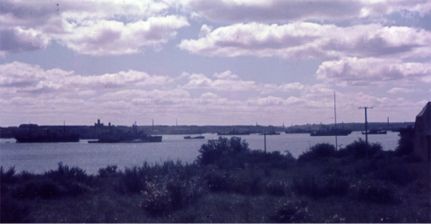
(213, 62)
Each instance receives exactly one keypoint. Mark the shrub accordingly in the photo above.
(318, 151)
(160, 198)
(296, 211)
(395, 172)
(216, 181)
(277, 188)
(321, 186)
(375, 192)
(46, 189)
(156, 199)
(66, 174)
(360, 149)
(246, 183)
(107, 171)
(270, 159)
(7, 176)
(132, 181)
(215, 150)
(406, 141)
(182, 193)
(11, 211)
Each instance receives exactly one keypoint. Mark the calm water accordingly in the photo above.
(40, 157)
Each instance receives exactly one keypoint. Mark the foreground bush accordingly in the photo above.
(360, 149)
(291, 211)
(318, 151)
(375, 192)
(320, 186)
(160, 198)
(12, 211)
(234, 153)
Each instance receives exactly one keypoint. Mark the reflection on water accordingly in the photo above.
(40, 157)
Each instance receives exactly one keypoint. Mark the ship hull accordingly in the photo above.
(46, 140)
(148, 139)
(330, 133)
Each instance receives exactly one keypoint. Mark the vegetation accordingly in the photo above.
(230, 183)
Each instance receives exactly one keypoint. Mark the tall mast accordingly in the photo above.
(335, 122)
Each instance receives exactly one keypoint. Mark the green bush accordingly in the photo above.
(406, 141)
(156, 199)
(396, 172)
(360, 149)
(108, 171)
(291, 211)
(65, 174)
(376, 192)
(133, 180)
(216, 181)
(277, 188)
(45, 189)
(320, 186)
(7, 176)
(318, 151)
(11, 211)
(223, 152)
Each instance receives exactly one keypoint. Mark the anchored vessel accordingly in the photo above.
(194, 137)
(375, 132)
(32, 133)
(116, 135)
(331, 132)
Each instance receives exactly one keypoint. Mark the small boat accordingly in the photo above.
(194, 137)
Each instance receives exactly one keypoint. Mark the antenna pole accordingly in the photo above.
(335, 122)
(366, 121)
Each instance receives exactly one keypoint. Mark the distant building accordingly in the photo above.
(423, 133)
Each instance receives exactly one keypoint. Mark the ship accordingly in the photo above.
(32, 133)
(375, 132)
(270, 133)
(234, 132)
(116, 135)
(331, 132)
(194, 137)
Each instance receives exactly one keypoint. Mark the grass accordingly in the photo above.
(229, 183)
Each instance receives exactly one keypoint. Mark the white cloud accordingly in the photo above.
(366, 71)
(399, 90)
(113, 37)
(90, 27)
(285, 10)
(310, 40)
(18, 40)
(30, 91)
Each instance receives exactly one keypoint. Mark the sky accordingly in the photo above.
(218, 62)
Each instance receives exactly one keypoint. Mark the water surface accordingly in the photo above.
(40, 157)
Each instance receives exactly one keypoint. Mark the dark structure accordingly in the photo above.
(423, 133)
(32, 133)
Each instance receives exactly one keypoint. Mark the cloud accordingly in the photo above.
(282, 10)
(90, 27)
(310, 40)
(399, 90)
(19, 40)
(113, 38)
(30, 92)
(366, 71)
